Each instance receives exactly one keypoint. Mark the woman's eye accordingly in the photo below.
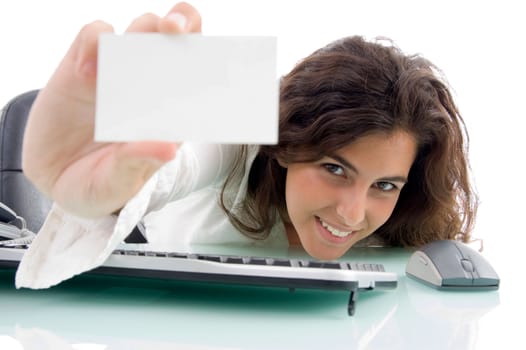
(385, 186)
(334, 169)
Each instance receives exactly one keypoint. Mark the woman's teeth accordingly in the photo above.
(334, 231)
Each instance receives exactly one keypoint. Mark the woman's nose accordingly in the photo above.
(352, 207)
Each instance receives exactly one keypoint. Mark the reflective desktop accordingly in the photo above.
(94, 311)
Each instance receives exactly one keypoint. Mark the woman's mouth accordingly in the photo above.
(334, 234)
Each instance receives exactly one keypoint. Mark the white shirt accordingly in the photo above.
(179, 206)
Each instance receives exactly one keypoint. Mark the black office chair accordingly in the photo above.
(16, 191)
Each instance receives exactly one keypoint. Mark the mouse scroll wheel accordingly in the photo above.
(467, 265)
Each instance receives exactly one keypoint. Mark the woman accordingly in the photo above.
(371, 145)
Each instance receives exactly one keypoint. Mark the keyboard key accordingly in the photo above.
(280, 262)
(331, 265)
(209, 258)
(311, 264)
(234, 260)
(321, 264)
(177, 255)
(257, 261)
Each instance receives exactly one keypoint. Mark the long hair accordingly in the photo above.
(353, 88)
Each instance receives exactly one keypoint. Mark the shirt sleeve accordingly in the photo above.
(68, 245)
(198, 166)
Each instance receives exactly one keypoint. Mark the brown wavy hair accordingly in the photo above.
(353, 88)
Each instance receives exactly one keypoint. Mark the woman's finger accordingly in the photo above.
(182, 18)
(148, 22)
(87, 46)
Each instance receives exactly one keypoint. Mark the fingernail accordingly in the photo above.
(178, 19)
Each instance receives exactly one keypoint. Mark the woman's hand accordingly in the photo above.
(86, 178)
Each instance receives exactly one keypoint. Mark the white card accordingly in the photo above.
(212, 89)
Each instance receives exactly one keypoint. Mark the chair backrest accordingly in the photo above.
(15, 189)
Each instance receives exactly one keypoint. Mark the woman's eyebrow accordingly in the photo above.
(401, 179)
(351, 167)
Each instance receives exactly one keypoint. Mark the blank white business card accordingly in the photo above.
(212, 89)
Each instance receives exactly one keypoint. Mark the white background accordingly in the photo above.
(479, 46)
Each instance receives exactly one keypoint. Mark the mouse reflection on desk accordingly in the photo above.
(449, 264)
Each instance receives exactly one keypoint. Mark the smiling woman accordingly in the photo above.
(385, 119)
(370, 143)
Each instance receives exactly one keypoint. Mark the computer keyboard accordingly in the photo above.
(237, 269)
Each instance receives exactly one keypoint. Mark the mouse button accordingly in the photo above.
(446, 257)
(483, 274)
(481, 265)
(441, 251)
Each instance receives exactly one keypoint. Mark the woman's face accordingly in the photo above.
(344, 197)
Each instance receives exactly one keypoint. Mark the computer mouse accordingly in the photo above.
(450, 264)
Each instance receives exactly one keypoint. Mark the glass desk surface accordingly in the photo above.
(104, 312)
